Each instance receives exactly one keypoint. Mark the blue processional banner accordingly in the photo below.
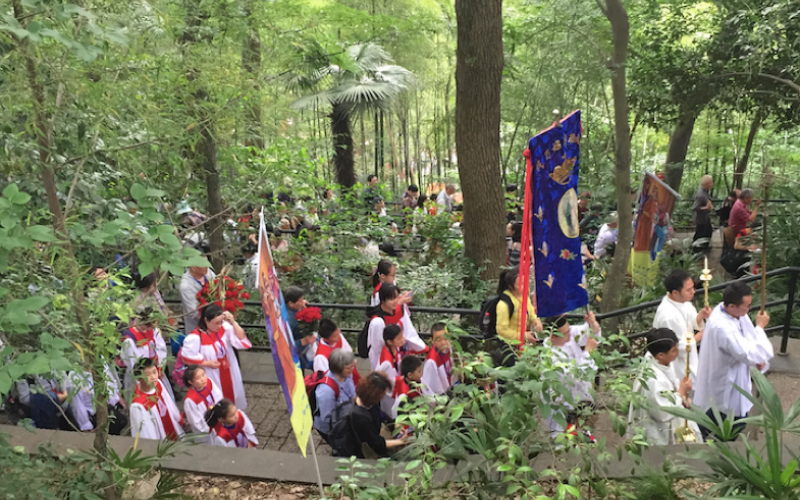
(555, 158)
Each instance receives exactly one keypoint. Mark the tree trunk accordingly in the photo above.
(377, 141)
(342, 147)
(448, 137)
(44, 123)
(363, 144)
(406, 148)
(618, 17)
(393, 148)
(741, 166)
(678, 147)
(479, 69)
(207, 148)
(382, 163)
(251, 64)
(418, 144)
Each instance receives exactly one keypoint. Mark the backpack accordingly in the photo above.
(178, 369)
(311, 381)
(488, 314)
(340, 436)
(363, 336)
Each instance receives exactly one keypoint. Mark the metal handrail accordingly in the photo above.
(792, 272)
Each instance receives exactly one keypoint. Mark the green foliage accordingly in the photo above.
(755, 471)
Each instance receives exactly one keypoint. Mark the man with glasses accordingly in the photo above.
(731, 345)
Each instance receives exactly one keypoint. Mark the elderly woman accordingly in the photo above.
(336, 387)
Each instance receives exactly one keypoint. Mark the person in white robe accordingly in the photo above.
(211, 346)
(144, 340)
(731, 346)
(385, 274)
(230, 426)
(153, 413)
(80, 386)
(202, 395)
(661, 389)
(573, 346)
(436, 372)
(677, 313)
(387, 313)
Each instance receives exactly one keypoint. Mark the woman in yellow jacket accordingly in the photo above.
(508, 324)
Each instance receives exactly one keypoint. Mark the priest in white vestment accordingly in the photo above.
(731, 346)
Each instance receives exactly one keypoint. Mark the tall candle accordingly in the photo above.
(705, 268)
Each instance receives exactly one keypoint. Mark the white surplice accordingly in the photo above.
(661, 390)
(80, 386)
(239, 437)
(146, 422)
(680, 318)
(130, 353)
(195, 351)
(376, 343)
(195, 406)
(730, 347)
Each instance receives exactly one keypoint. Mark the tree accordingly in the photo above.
(617, 16)
(357, 81)
(479, 69)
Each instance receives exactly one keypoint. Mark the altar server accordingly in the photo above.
(436, 374)
(153, 412)
(731, 346)
(230, 427)
(677, 313)
(211, 346)
(662, 388)
(203, 394)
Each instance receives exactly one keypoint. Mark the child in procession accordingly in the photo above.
(153, 413)
(203, 394)
(230, 426)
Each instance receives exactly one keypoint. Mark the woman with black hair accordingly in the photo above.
(211, 346)
(230, 426)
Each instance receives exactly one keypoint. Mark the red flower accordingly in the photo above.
(218, 303)
(230, 294)
(246, 296)
(231, 285)
(309, 315)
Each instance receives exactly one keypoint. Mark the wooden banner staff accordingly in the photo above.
(767, 182)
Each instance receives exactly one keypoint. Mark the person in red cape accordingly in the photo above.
(331, 338)
(211, 346)
(438, 365)
(387, 313)
(203, 394)
(230, 426)
(153, 414)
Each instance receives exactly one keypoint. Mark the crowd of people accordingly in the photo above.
(205, 398)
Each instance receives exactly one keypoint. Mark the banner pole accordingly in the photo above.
(526, 253)
(316, 466)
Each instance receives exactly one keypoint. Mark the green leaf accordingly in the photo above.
(38, 366)
(144, 255)
(41, 233)
(155, 193)
(30, 304)
(170, 240)
(5, 383)
(60, 365)
(10, 191)
(138, 192)
(145, 268)
(21, 198)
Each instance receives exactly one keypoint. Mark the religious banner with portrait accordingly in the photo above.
(554, 155)
(652, 227)
(287, 363)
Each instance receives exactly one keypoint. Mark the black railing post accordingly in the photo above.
(787, 321)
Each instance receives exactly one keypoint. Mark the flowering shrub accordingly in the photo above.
(224, 292)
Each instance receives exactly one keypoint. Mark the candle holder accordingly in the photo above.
(685, 434)
(705, 277)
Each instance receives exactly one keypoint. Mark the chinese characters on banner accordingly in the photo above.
(287, 364)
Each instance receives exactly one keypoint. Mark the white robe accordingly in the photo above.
(571, 352)
(376, 343)
(680, 318)
(196, 413)
(730, 347)
(80, 386)
(147, 423)
(131, 354)
(434, 377)
(321, 363)
(194, 352)
(661, 390)
(249, 431)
